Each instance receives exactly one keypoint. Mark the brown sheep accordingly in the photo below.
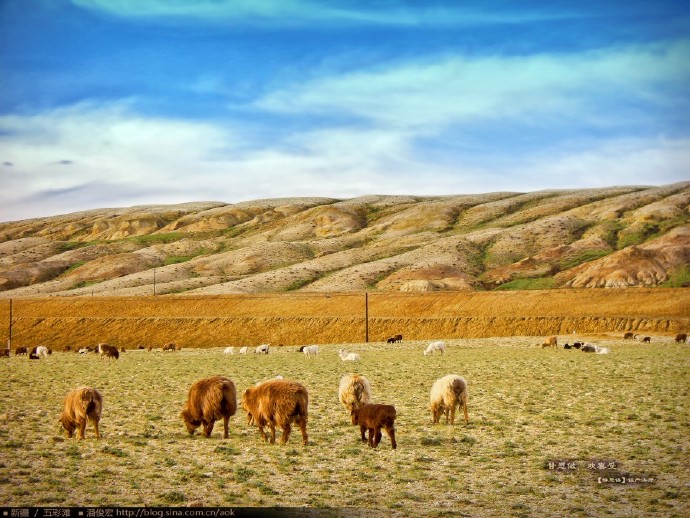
(21, 350)
(81, 405)
(551, 341)
(277, 402)
(172, 346)
(108, 350)
(681, 337)
(209, 400)
(4, 353)
(373, 417)
(628, 336)
(647, 340)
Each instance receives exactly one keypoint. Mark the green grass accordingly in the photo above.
(527, 406)
(679, 278)
(584, 256)
(538, 283)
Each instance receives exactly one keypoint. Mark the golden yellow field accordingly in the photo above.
(302, 318)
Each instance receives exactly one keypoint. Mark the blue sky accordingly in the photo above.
(112, 103)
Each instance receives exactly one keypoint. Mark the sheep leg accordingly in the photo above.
(226, 419)
(82, 428)
(262, 432)
(95, 428)
(372, 433)
(208, 427)
(273, 433)
(303, 428)
(452, 414)
(377, 437)
(363, 429)
(286, 433)
(391, 433)
(464, 408)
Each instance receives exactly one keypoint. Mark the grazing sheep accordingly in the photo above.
(391, 340)
(354, 391)
(209, 400)
(398, 338)
(577, 345)
(628, 336)
(647, 340)
(373, 417)
(108, 350)
(311, 350)
(84, 350)
(262, 349)
(438, 345)
(588, 348)
(81, 405)
(348, 357)
(21, 350)
(243, 350)
(42, 350)
(229, 350)
(567, 346)
(172, 346)
(681, 337)
(551, 341)
(66, 349)
(601, 350)
(277, 402)
(447, 393)
(4, 353)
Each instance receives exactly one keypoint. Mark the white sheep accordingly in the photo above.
(439, 346)
(311, 350)
(354, 391)
(243, 350)
(348, 357)
(229, 350)
(42, 350)
(447, 393)
(262, 349)
(601, 350)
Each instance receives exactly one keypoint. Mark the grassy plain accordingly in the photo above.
(528, 406)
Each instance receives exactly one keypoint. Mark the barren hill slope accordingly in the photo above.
(611, 237)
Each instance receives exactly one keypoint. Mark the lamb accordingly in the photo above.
(229, 350)
(172, 346)
(438, 345)
(348, 357)
(81, 405)
(311, 350)
(108, 350)
(209, 400)
(262, 349)
(243, 350)
(447, 393)
(551, 341)
(354, 391)
(277, 402)
(373, 417)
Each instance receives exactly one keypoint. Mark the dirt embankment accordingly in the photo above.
(336, 318)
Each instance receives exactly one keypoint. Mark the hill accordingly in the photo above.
(611, 237)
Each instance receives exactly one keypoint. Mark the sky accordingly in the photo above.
(115, 103)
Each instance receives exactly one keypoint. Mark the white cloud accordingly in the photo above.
(430, 96)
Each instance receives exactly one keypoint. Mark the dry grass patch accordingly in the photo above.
(528, 406)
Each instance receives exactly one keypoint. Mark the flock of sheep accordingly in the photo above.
(279, 403)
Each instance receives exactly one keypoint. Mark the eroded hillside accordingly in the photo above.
(613, 237)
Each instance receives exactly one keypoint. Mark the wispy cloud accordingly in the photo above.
(432, 95)
(298, 12)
